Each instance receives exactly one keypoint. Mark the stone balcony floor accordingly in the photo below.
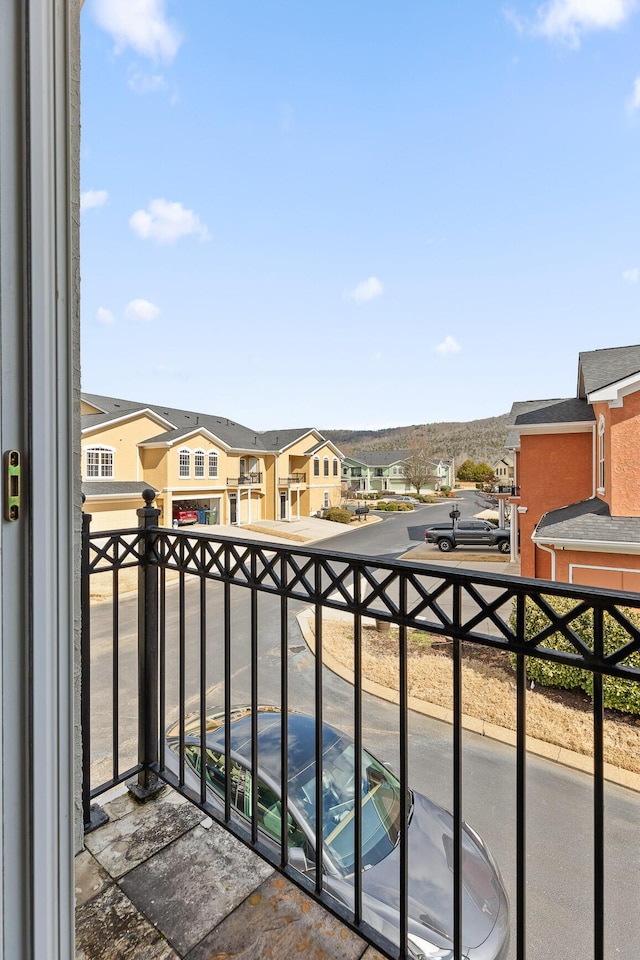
(160, 881)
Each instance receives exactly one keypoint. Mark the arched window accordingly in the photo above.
(316, 466)
(213, 465)
(335, 467)
(198, 463)
(326, 466)
(99, 462)
(601, 454)
(184, 463)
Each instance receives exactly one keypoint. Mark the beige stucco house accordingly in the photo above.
(230, 473)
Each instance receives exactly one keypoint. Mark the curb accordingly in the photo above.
(539, 748)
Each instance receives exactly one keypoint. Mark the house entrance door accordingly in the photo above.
(283, 506)
(233, 508)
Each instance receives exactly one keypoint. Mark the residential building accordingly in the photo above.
(230, 473)
(503, 469)
(578, 503)
(383, 470)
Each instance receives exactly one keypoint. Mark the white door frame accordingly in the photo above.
(39, 399)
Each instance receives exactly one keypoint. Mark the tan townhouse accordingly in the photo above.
(200, 463)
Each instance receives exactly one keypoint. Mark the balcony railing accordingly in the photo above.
(509, 488)
(245, 479)
(206, 603)
(293, 479)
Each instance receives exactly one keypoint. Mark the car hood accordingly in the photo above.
(430, 844)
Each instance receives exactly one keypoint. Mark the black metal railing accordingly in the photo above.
(204, 603)
(245, 479)
(294, 478)
(509, 488)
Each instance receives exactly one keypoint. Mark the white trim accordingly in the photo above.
(85, 464)
(535, 429)
(144, 411)
(614, 393)
(590, 546)
(593, 566)
(181, 475)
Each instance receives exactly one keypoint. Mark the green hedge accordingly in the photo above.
(618, 694)
(338, 515)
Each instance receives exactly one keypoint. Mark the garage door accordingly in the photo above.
(606, 577)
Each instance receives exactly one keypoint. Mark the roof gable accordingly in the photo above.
(603, 368)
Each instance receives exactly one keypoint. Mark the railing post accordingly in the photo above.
(92, 814)
(147, 783)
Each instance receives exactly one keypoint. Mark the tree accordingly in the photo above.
(417, 467)
(467, 470)
(484, 473)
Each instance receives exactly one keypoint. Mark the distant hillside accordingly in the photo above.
(479, 440)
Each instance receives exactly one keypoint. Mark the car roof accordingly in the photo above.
(300, 735)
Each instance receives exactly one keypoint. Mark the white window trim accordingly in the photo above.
(316, 466)
(181, 475)
(211, 455)
(196, 453)
(102, 448)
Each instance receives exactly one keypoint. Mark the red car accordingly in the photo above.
(184, 516)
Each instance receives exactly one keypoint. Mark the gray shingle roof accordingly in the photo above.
(381, 458)
(599, 368)
(233, 435)
(122, 488)
(556, 411)
(588, 520)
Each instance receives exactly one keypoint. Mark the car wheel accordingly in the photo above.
(504, 547)
(445, 545)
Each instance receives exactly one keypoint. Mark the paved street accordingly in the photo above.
(560, 817)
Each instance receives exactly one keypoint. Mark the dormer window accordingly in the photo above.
(184, 464)
(601, 454)
(99, 463)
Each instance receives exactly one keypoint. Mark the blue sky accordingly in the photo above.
(356, 214)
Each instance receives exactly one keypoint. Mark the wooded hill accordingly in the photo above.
(478, 440)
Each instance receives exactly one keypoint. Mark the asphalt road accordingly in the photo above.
(559, 811)
(399, 532)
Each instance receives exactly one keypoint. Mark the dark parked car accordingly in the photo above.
(485, 913)
(474, 533)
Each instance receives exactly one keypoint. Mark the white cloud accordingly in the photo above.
(142, 83)
(367, 290)
(569, 20)
(93, 198)
(449, 345)
(141, 25)
(633, 103)
(105, 317)
(166, 222)
(631, 276)
(141, 310)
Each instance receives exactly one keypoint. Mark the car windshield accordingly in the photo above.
(379, 799)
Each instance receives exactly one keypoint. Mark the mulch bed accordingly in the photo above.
(421, 645)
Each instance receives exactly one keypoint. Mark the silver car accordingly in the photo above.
(485, 912)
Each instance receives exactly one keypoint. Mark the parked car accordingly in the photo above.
(485, 913)
(184, 516)
(475, 533)
(403, 499)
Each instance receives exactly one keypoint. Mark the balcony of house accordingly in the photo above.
(508, 489)
(283, 799)
(245, 480)
(295, 480)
